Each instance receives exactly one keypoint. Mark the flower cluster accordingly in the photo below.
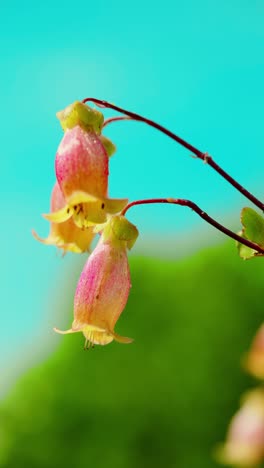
(81, 208)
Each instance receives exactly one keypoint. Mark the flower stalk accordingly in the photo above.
(201, 213)
(205, 157)
(116, 119)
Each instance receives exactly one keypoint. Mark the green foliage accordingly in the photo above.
(163, 401)
(253, 225)
(253, 229)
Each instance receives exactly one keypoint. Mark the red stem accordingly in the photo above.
(203, 156)
(115, 119)
(201, 213)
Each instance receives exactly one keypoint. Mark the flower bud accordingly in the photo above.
(82, 173)
(66, 236)
(244, 446)
(104, 285)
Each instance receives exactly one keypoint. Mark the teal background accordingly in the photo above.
(196, 67)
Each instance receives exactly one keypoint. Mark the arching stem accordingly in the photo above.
(201, 155)
(201, 213)
(115, 119)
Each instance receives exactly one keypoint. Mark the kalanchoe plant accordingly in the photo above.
(104, 285)
(80, 197)
(80, 208)
(80, 201)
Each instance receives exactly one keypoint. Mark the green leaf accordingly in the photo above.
(245, 252)
(253, 226)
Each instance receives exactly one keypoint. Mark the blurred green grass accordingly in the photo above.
(163, 401)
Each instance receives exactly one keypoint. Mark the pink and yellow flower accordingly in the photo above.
(103, 288)
(66, 235)
(82, 171)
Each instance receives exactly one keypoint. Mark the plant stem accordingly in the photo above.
(201, 213)
(115, 119)
(203, 156)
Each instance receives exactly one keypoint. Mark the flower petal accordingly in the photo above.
(65, 332)
(121, 339)
(79, 196)
(59, 216)
(52, 240)
(65, 235)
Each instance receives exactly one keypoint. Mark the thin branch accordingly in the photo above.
(201, 213)
(203, 156)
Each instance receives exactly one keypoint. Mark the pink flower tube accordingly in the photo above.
(66, 236)
(104, 285)
(82, 172)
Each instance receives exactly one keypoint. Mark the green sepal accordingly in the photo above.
(109, 146)
(119, 230)
(81, 114)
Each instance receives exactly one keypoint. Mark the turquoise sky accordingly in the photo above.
(197, 67)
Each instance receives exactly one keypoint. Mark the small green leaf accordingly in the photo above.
(245, 252)
(253, 226)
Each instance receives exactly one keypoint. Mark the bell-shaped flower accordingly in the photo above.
(104, 285)
(82, 173)
(66, 236)
(244, 446)
(254, 360)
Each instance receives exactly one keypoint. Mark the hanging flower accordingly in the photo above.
(104, 285)
(244, 446)
(82, 171)
(66, 235)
